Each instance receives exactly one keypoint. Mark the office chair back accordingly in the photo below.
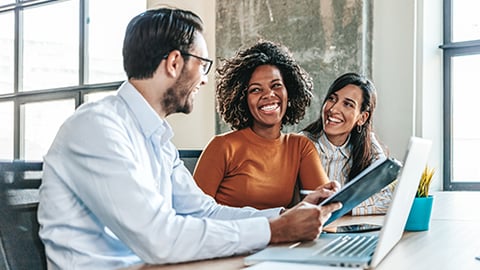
(190, 158)
(20, 245)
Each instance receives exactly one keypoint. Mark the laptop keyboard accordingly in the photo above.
(349, 246)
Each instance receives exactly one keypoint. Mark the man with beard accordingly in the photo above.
(115, 192)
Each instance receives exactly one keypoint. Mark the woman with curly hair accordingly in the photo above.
(344, 138)
(259, 90)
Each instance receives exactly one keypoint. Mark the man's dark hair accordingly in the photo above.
(151, 35)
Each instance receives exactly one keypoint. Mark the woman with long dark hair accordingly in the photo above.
(344, 138)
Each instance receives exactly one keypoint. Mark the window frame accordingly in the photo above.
(76, 92)
(451, 50)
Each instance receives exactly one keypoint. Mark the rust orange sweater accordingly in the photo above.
(240, 168)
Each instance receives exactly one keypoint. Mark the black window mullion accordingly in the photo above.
(16, 130)
(447, 21)
(17, 81)
(79, 99)
(83, 46)
(20, 130)
(447, 122)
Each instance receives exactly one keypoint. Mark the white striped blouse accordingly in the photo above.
(335, 162)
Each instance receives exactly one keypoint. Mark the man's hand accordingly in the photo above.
(322, 192)
(301, 223)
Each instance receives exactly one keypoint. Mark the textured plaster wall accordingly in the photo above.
(327, 37)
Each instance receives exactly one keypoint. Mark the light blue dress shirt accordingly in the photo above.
(115, 193)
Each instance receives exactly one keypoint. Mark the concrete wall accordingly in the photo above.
(405, 63)
(326, 37)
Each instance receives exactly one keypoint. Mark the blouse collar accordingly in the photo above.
(328, 148)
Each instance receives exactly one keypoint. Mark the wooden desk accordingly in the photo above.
(452, 242)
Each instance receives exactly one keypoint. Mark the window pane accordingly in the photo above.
(106, 34)
(466, 131)
(97, 96)
(6, 2)
(6, 52)
(465, 20)
(6, 136)
(42, 121)
(51, 46)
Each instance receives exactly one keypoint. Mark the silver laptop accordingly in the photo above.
(364, 250)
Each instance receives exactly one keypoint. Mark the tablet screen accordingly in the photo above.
(370, 181)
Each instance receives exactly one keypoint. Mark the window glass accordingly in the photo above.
(466, 22)
(6, 52)
(6, 135)
(97, 96)
(42, 121)
(105, 39)
(51, 46)
(466, 131)
(6, 2)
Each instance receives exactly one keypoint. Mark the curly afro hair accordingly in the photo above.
(235, 73)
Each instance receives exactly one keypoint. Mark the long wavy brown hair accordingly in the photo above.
(235, 73)
(360, 138)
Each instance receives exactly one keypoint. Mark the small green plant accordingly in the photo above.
(425, 181)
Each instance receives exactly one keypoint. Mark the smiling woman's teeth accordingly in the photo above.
(269, 107)
(334, 120)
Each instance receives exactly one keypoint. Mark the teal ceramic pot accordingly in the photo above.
(420, 213)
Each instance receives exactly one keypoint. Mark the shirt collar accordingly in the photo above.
(149, 121)
(328, 148)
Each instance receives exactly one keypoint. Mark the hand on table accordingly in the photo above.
(301, 223)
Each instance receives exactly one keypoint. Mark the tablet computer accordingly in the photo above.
(378, 175)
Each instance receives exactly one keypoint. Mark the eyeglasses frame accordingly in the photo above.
(209, 61)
